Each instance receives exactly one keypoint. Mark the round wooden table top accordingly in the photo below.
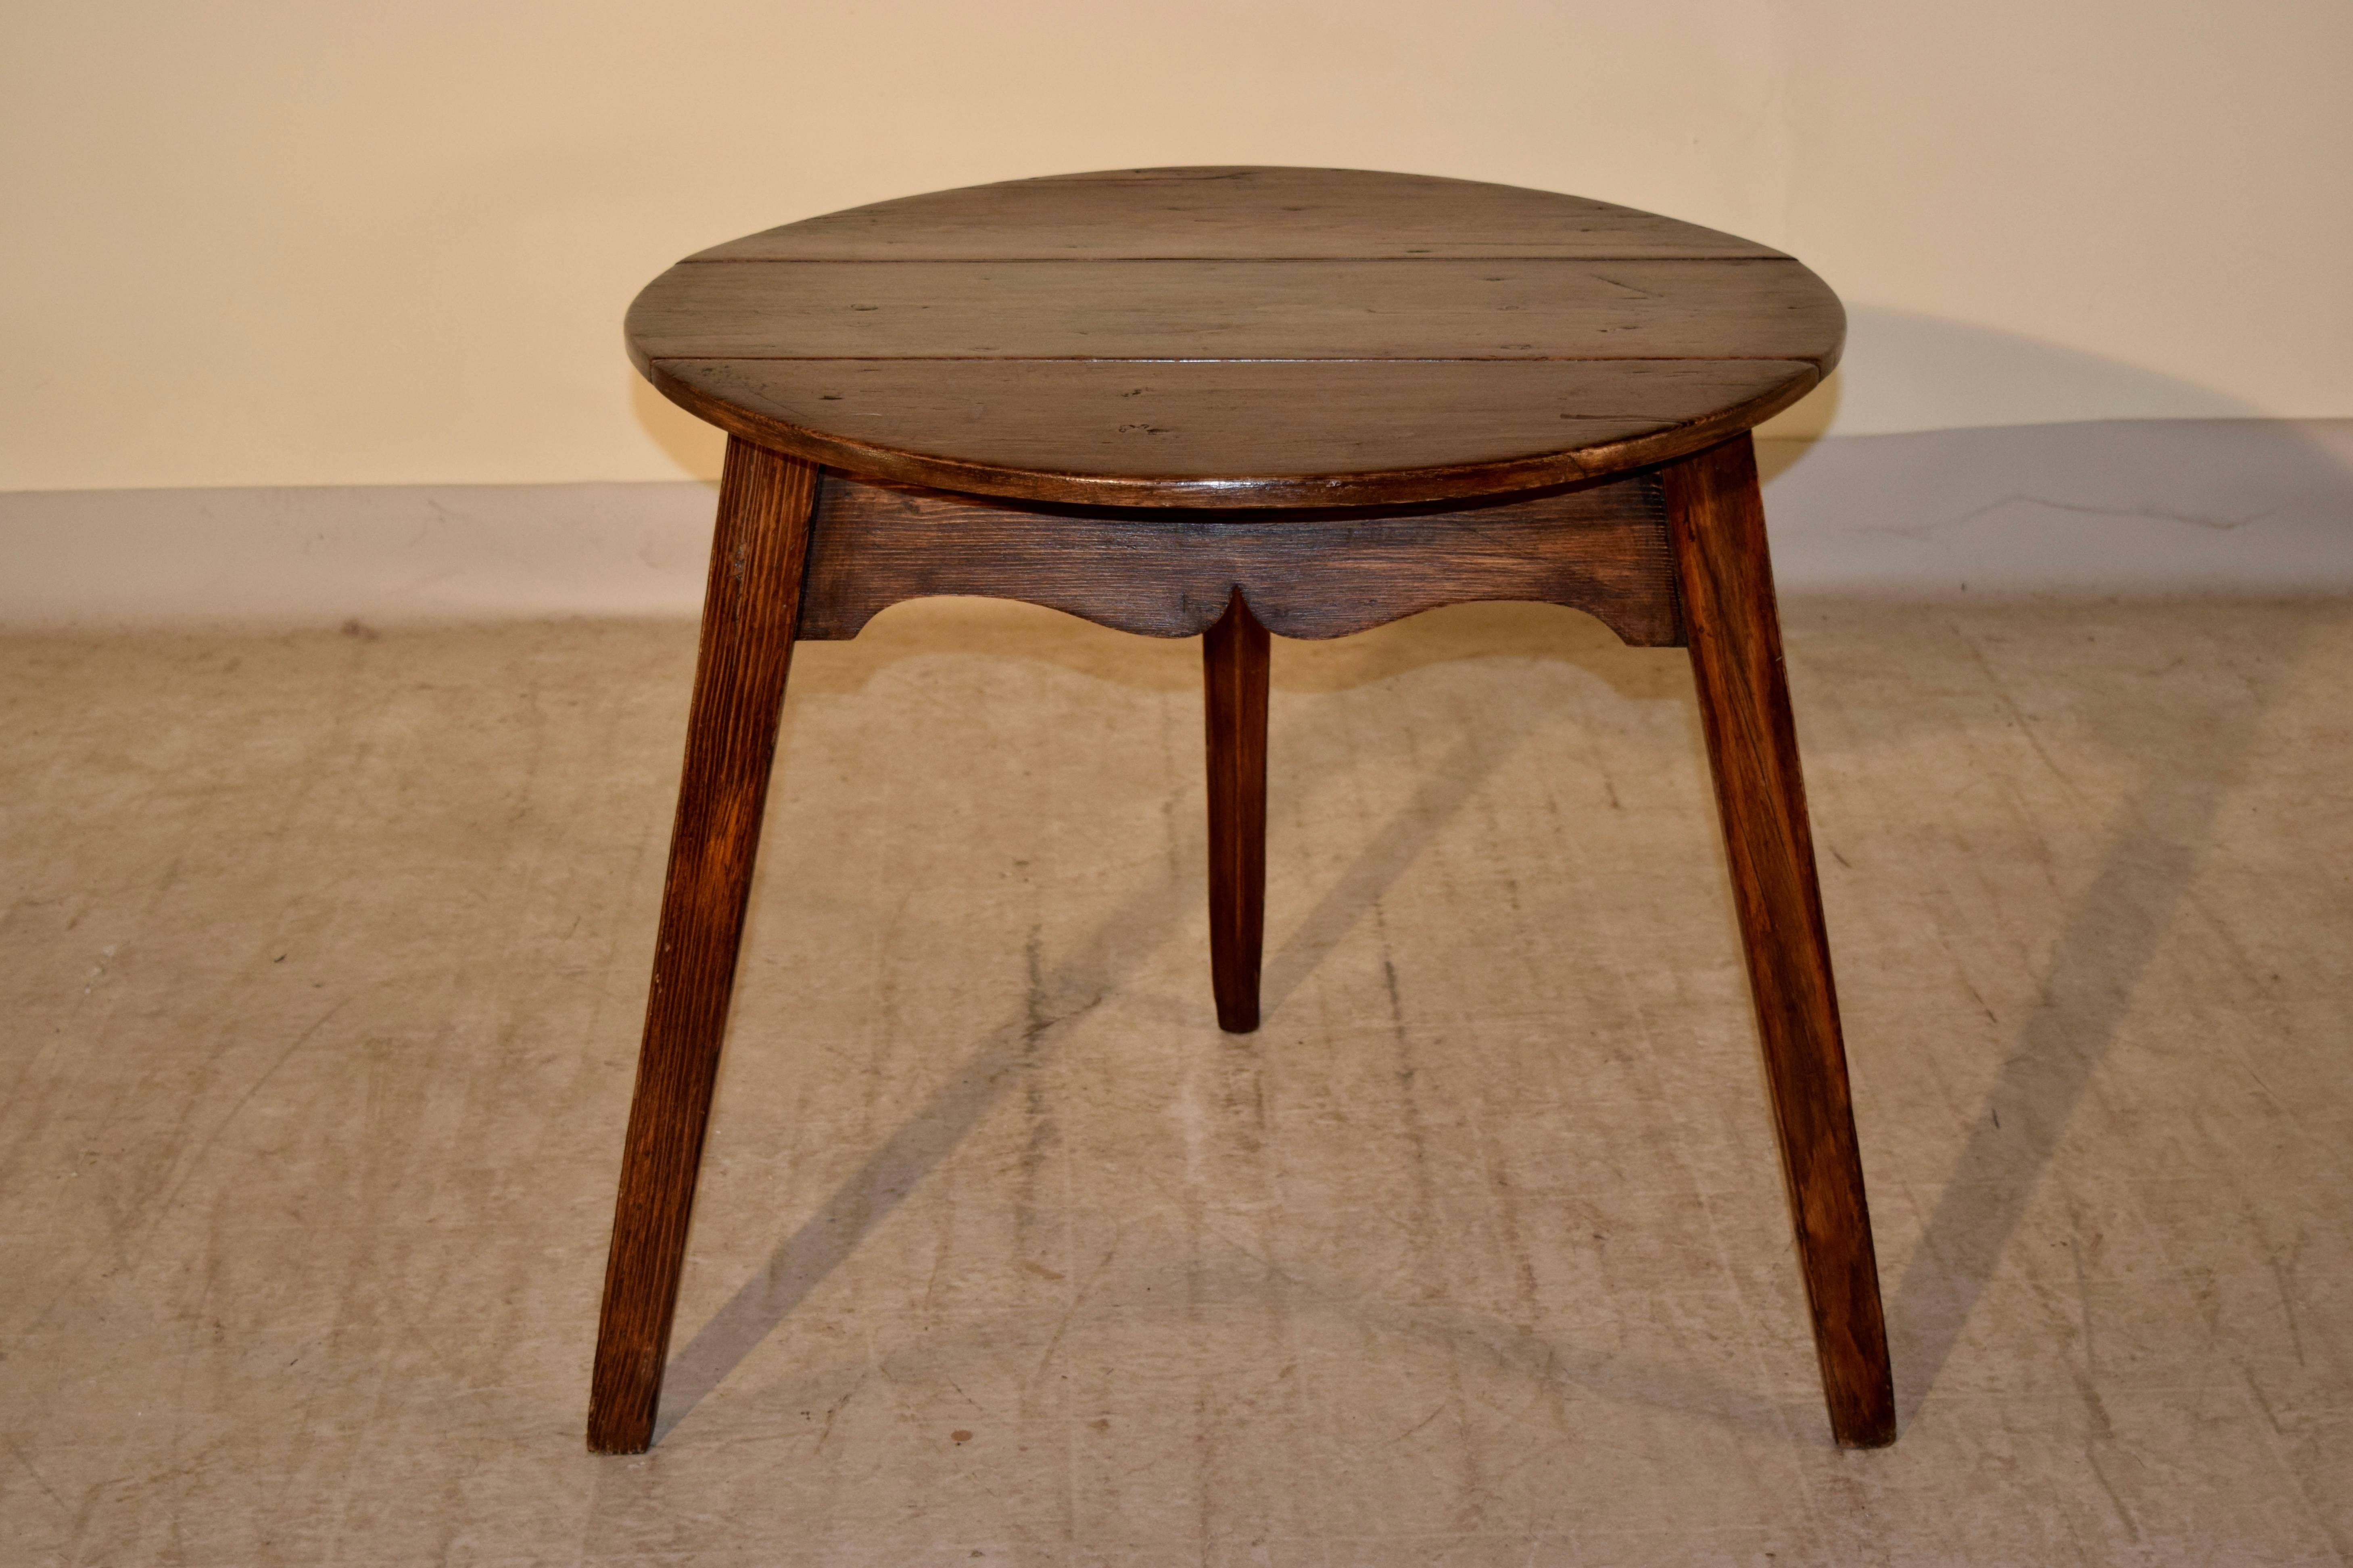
(1237, 337)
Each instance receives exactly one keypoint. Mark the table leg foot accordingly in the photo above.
(1725, 574)
(748, 618)
(1234, 659)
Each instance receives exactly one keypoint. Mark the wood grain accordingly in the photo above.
(1222, 436)
(1433, 309)
(1232, 211)
(1235, 668)
(1602, 548)
(1727, 576)
(748, 618)
(1237, 338)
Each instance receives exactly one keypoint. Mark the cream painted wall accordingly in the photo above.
(278, 243)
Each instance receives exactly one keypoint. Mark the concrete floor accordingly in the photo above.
(322, 957)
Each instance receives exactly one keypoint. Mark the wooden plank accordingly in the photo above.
(1602, 548)
(1222, 436)
(1773, 309)
(1233, 212)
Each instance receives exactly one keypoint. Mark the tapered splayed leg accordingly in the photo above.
(748, 618)
(1725, 574)
(1234, 655)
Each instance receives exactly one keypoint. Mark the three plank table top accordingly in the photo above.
(1237, 337)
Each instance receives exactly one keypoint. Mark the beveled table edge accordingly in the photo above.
(1378, 487)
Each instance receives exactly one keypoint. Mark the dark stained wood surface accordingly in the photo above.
(1237, 310)
(1727, 576)
(756, 562)
(1076, 427)
(1602, 548)
(1237, 338)
(1235, 665)
(1214, 213)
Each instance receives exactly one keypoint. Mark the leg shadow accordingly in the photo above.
(1436, 800)
(2106, 949)
(1062, 995)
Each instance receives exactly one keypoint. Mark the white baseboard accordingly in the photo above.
(2131, 507)
(380, 554)
(2146, 507)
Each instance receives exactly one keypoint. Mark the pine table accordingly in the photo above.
(1230, 402)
